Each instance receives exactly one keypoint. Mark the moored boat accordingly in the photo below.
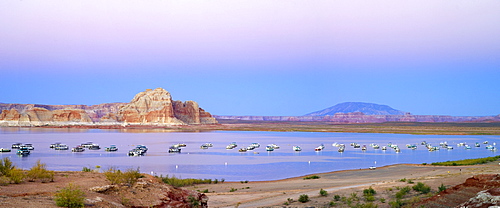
(269, 148)
(297, 148)
(111, 148)
(232, 145)
(4, 150)
(28, 146)
(77, 149)
(174, 149)
(16, 146)
(61, 147)
(319, 148)
(23, 151)
(52, 146)
(255, 145)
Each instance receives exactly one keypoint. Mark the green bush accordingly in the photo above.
(422, 188)
(70, 196)
(442, 188)
(303, 198)
(322, 192)
(311, 177)
(86, 169)
(369, 198)
(178, 182)
(402, 192)
(396, 204)
(336, 197)
(468, 161)
(369, 192)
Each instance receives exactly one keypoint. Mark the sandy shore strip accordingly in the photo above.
(275, 193)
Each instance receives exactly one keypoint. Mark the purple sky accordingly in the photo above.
(255, 57)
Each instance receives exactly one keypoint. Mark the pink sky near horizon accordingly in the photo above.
(312, 47)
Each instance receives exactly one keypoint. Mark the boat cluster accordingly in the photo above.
(22, 149)
(25, 149)
(445, 145)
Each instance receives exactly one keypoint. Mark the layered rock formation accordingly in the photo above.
(151, 107)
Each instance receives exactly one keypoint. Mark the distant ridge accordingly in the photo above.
(352, 107)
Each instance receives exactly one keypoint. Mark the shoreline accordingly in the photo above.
(415, 128)
(276, 192)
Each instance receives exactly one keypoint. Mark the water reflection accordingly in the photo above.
(218, 162)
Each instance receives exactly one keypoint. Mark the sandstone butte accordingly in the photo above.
(151, 107)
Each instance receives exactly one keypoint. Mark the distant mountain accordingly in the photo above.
(350, 107)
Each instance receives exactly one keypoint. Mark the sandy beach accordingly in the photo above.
(276, 193)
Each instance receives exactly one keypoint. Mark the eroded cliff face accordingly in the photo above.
(151, 107)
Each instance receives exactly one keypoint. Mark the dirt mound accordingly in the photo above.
(462, 193)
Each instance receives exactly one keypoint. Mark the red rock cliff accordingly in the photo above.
(151, 107)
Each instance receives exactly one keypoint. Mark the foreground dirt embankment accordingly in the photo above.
(146, 192)
(149, 192)
(385, 180)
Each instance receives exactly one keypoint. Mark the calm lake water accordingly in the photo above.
(219, 163)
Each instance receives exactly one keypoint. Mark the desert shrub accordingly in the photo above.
(422, 188)
(442, 188)
(354, 196)
(402, 180)
(367, 205)
(382, 200)
(113, 175)
(311, 177)
(86, 169)
(303, 198)
(369, 192)
(369, 198)
(336, 197)
(179, 182)
(4, 180)
(16, 175)
(71, 196)
(402, 192)
(396, 204)
(39, 171)
(131, 176)
(468, 161)
(322, 192)
(116, 176)
(233, 190)
(6, 166)
(195, 203)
